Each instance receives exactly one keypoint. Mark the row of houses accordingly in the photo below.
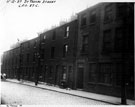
(94, 52)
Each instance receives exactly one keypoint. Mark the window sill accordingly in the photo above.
(83, 26)
(104, 84)
(108, 21)
(91, 24)
(92, 83)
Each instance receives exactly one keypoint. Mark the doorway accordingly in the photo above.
(80, 74)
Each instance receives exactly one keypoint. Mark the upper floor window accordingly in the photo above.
(28, 45)
(35, 43)
(65, 50)
(93, 17)
(118, 40)
(52, 52)
(54, 35)
(28, 57)
(108, 13)
(107, 42)
(120, 10)
(83, 20)
(44, 37)
(85, 43)
(67, 31)
(42, 53)
(34, 57)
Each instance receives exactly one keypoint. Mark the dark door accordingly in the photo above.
(57, 75)
(80, 78)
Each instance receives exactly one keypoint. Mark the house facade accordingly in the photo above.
(93, 53)
(105, 49)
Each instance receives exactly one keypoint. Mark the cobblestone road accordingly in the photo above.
(13, 93)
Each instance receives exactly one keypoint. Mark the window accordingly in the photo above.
(42, 53)
(64, 69)
(65, 50)
(67, 31)
(118, 73)
(83, 20)
(105, 73)
(35, 43)
(93, 17)
(52, 52)
(92, 72)
(50, 72)
(54, 35)
(28, 58)
(118, 40)
(44, 37)
(28, 45)
(108, 13)
(120, 10)
(85, 43)
(34, 56)
(107, 42)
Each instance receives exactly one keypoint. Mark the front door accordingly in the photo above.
(80, 72)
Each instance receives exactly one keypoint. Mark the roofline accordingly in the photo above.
(58, 26)
(97, 4)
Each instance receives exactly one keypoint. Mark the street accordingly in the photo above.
(13, 93)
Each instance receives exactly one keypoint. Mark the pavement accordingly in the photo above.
(79, 93)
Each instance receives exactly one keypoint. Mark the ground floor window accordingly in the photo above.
(64, 76)
(50, 73)
(118, 73)
(105, 73)
(92, 72)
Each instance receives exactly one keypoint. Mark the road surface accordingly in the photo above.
(13, 93)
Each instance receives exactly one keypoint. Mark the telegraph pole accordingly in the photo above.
(19, 71)
(124, 50)
(38, 58)
(127, 25)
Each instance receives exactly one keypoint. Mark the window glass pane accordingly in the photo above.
(93, 17)
(118, 40)
(92, 72)
(107, 42)
(83, 20)
(108, 13)
(105, 73)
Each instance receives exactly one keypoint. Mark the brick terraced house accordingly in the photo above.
(94, 52)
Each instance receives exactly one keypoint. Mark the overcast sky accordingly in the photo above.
(26, 22)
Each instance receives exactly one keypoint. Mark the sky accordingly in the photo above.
(26, 22)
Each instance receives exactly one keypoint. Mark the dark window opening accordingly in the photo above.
(52, 52)
(118, 40)
(28, 58)
(34, 55)
(83, 20)
(85, 43)
(105, 73)
(120, 10)
(107, 42)
(108, 13)
(54, 35)
(93, 17)
(92, 72)
(42, 53)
